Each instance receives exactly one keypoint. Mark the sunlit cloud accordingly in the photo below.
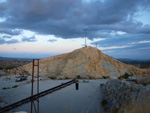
(112, 47)
(52, 40)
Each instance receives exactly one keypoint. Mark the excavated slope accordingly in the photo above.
(88, 62)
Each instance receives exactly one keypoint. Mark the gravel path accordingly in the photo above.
(67, 100)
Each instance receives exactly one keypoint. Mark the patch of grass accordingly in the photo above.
(53, 78)
(15, 86)
(6, 88)
(90, 77)
(125, 76)
(78, 77)
(10, 67)
(105, 77)
(66, 78)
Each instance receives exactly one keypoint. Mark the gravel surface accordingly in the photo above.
(67, 100)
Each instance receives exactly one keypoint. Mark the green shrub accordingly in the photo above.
(78, 77)
(15, 86)
(6, 88)
(90, 77)
(53, 78)
(104, 102)
(10, 67)
(105, 77)
(66, 78)
(125, 76)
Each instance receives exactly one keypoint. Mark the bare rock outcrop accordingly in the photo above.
(87, 62)
(125, 97)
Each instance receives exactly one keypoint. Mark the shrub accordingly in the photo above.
(78, 77)
(67, 78)
(15, 86)
(53, 78)
(1, 100)
(90, 77)
(11, 67)
(105, 77)
(125, 76)
(104, 104)
(6, 88)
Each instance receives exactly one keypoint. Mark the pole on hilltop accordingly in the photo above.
(85, 36)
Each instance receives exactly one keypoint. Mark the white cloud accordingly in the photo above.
(121, 32)
(140, 42)
(2, 19)
(113, 47)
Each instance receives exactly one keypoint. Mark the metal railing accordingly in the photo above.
(36, 96)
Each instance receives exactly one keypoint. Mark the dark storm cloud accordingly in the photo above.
(29, 39)
(9, 31)
(122, 40)
(126, 46)
(12, 41)
(52, 40)
(68, 18)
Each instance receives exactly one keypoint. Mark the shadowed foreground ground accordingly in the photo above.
(68, 100)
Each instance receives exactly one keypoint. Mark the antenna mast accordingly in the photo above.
(85, 36)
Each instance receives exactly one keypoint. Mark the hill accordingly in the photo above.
(87, 62)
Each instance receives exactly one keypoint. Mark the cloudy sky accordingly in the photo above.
(43, 28)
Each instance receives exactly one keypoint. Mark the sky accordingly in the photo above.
(44, 28)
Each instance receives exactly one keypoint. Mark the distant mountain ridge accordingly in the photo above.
(87, 62)
(9, 58)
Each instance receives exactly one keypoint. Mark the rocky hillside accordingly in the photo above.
(87, 62)
(126, 97)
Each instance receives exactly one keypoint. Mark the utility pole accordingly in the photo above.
(96, 44)
(85, 36)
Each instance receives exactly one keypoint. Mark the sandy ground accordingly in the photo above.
(67, 100)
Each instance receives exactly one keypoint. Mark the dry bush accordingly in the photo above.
(1, 100)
